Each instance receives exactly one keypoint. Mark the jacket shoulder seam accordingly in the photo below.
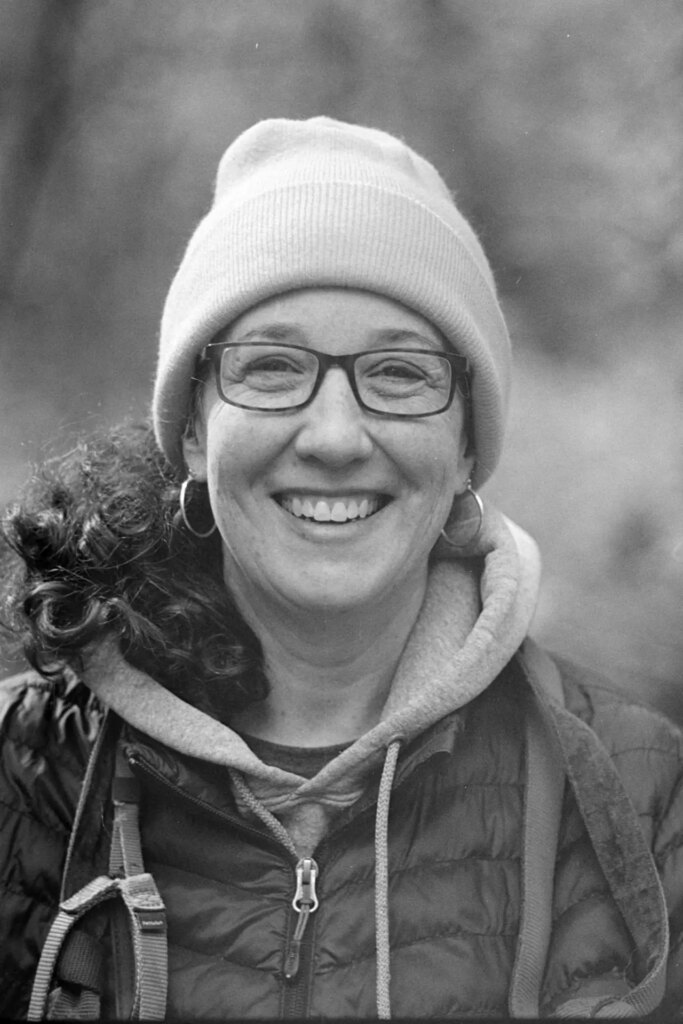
(32, 817)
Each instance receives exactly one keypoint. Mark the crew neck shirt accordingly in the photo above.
(303, 761)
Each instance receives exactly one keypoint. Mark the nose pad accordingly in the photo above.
(334, 428)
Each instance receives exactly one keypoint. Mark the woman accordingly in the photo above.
(289, 731)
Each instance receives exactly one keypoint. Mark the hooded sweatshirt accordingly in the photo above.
(475, 615)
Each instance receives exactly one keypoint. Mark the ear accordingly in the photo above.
(466, 461)
(467, 456)
(194, 449)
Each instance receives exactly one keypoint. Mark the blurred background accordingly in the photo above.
(559, 126)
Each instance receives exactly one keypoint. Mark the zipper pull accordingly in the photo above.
(305, 902)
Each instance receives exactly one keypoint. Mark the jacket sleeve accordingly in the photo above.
(668, 851)
(649, 756)
(45, 733)
(647, 751)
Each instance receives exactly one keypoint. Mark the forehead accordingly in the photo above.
(321, 313)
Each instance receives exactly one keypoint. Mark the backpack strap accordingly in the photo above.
(141, 986)
(145, 916)
(620, 846)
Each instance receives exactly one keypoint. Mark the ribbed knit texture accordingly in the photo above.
(302, 204)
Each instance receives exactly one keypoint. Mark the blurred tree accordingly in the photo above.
(37, 54)
(584, 114)
(331, 37)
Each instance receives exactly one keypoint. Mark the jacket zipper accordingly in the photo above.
(297, 952)
(305, 903)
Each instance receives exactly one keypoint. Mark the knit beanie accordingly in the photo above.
(301, 204)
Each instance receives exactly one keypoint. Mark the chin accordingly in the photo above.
(342, 595)
(333, 600)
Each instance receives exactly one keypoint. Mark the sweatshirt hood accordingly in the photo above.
(475, 615)
(476, 612)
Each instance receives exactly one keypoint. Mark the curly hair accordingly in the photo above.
(96, 546)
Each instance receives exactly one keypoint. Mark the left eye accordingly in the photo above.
(398, 370)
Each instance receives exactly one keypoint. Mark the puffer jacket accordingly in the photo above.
(456, 848)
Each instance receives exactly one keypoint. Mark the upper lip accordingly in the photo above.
(332, 498)
(339, 494)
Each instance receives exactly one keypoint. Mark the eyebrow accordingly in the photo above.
(386, 335)
(272, 332)
(395, 336)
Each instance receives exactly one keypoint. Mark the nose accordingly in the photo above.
(334, 428)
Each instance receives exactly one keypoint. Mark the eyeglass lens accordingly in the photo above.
(397, 381)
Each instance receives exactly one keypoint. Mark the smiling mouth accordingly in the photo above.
(331, 510)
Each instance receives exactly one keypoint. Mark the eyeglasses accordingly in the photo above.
(387, 382)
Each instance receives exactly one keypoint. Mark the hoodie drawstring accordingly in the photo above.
(382, 880)
(256, 807)
(382, 946)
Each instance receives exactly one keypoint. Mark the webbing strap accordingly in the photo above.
(70, 912)
(66, 1005)
(148, 926)
(148, 929)
(146, 917)
(145, 907)
(126, 850)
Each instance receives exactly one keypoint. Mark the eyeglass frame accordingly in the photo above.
(460, 372)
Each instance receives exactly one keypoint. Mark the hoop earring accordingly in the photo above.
(469, 492)
(182, 499)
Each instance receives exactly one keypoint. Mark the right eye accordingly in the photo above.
(262, 368)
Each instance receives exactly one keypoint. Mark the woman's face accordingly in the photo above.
(272, 476)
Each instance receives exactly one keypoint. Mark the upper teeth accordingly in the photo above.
(339, 511)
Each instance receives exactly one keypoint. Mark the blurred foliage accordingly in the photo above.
(559, 125)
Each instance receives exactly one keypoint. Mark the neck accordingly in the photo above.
(329, 671)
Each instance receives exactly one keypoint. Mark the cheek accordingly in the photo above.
(225, 451)
(229, 439)
(241, 451)
(227, 477)
(438, 456)
(231, 497)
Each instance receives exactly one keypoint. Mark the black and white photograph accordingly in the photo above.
(341, 510)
